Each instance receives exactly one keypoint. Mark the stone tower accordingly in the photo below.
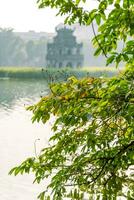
(64, 51)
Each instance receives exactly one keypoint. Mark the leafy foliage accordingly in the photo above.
(92, 148)
(91, 153)
(116, 24)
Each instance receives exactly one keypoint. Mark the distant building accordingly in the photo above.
(64, 51)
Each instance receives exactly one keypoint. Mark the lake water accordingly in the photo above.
(18, 135)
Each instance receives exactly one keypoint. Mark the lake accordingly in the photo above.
(18, 136)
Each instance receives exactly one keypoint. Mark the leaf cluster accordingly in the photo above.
(116, 24)
(92, 150)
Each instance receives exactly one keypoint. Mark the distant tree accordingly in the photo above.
(41, 51)
(30, 51)
(35, 51)
(11, 48)
(91, 154)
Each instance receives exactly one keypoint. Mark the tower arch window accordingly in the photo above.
(60, 52)
(78, 64)
(60, 65)
(78, 51)
(69, 52)
(69, 64)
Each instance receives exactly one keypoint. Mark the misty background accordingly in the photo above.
(30, 48)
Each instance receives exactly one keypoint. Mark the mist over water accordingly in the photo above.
(18, 135)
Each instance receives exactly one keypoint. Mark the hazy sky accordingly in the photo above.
(24, 15)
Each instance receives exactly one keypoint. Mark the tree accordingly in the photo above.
(12, 47)
(35, 51)
(91, 154)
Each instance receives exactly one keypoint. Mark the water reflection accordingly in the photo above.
(15, 90)
(18, 135)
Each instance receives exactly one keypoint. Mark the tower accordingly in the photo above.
(64, 51)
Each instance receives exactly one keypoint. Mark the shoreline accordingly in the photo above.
(56, 73)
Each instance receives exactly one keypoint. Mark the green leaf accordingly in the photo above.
(110, 60)
(97, 52)
(42, 196)
(98, 19)
(77, 2)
